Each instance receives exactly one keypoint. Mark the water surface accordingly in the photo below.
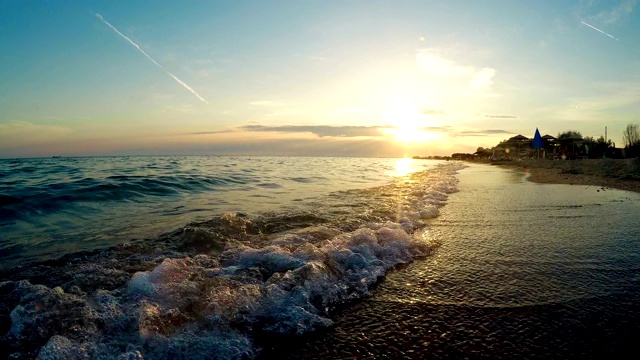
(209, 288)
(524, 271)
(52, 206)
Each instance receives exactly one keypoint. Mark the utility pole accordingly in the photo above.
(604, 155)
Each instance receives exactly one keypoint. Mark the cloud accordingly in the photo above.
(482, 132)
(320, 130)
(616, 14)
(482, 79)
(611, 98)
(433, 64)
(501, 116)
(352, 131)
(459, 132)
(353, 147)
(210, 132)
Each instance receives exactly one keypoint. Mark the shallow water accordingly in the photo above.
(524, 271)
(509, 269)
(215, 288)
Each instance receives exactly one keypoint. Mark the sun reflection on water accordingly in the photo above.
(403, 167)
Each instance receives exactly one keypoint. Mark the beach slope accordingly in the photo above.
(623, 174)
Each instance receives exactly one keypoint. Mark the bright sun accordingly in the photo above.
(407, 124)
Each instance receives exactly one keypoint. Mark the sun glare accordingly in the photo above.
(403, 167)
(408, 124)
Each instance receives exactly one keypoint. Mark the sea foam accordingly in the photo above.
(214, 304)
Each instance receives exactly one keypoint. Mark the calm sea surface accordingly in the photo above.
(235, 258)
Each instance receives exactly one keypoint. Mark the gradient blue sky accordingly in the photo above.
(351, 78)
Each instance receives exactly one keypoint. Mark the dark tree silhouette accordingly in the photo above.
(569, 134)
(631, 136)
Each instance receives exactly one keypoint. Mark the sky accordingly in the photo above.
(311, 78)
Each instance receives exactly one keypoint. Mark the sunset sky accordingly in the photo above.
(318, 78)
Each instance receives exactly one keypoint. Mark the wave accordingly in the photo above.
(52, 196)
(207, 290)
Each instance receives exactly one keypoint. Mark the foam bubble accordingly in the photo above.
(58, 347)
(140, 285)
(209, 305)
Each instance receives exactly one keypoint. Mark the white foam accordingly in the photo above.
(58, 348)
(196, 305)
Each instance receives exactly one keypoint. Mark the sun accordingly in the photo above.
(407, 124)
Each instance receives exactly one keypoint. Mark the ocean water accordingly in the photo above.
(363, 258)
(524, 271)
(53, 206)
(199, 257)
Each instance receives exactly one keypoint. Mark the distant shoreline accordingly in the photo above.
(623, 174)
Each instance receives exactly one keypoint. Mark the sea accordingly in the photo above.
(330, 258)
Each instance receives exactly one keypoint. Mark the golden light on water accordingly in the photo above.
(403, 167)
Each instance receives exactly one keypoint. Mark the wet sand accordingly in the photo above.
(623, 174)
(523, 271)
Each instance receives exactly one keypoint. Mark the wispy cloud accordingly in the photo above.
(359, 147)
(482, 132)
(320, 130)
(482, 79)
(363, 131)
(592, 111)
(501, 116)
(596, 29)
(459, 132)
(615, 14)
(477, 79)
(353, 131)
(182, 83)
(210, 132)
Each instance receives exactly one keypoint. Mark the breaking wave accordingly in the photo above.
(210, 289)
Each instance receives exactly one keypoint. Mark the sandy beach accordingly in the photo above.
(623, 174)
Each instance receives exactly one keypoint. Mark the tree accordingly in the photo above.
(483, 152)
(631, 136)
(569, 134)
(605, 144)
(597, 148)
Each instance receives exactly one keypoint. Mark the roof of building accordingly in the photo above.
(519, 138)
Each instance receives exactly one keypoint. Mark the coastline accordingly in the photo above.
(493, 274)
(622, 174)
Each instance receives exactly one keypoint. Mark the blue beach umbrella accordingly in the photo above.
(538, 142)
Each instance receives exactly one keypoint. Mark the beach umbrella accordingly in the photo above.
(538, 142)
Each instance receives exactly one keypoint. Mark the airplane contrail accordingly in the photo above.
(596, 29)
(184, 85)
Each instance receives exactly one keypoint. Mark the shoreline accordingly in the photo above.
(621, 174)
